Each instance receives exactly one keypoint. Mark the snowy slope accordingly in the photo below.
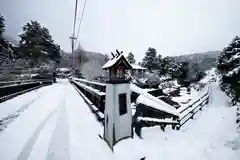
(204, 138)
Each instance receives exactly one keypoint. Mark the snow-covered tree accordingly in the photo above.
(229, 67)
(131, 58)
(150, 59)
(166, 65)
(37, 43)
(2, 25)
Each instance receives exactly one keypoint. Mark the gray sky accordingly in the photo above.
(173, 27)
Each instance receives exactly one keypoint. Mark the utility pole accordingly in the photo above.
(73, 37)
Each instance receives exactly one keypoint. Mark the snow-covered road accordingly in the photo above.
(55, 123)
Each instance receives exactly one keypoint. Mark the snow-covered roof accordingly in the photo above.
(135, 66)
(113, 61)
(153, 104)
(151, 101)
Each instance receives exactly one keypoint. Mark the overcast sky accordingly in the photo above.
(173, 27)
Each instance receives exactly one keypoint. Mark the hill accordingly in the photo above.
(13, 41)
(89, 63)
(204, 60)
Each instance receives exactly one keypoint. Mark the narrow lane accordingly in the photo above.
(25, 129)
(59, 125)
(12, 105)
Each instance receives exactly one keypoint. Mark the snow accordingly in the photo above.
(25, 99)
(167, 120)
(150, 103)
(26, 127)
(148, 89)
(63, 69)
(112, 61)
(60, 125)
(169, 90)
(209, 75)
(44, 52)
(237, 56)
(208, 137)
(91, 82)
(137, 67)
(169, 86)
(234, 71)
(153, 101)
(90, 88)
(195, 96)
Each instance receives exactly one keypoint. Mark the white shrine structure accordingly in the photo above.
(118, 113)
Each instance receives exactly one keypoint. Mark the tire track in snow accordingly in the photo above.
(5, 121)
(27, 149)
(30, 143)
(59, 145)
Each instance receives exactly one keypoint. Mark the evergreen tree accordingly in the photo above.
(229, 67)
(131, 58)
(2, 25)
(150, 59)
(37, 43)
(166, 65)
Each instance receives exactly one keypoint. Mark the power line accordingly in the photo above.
(81, 18)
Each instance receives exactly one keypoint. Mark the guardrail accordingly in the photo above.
(99, 86)
(4, 83)
(95, 92)
(96, 96)
(16, 88)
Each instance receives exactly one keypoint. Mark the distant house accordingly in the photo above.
(137, 70)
